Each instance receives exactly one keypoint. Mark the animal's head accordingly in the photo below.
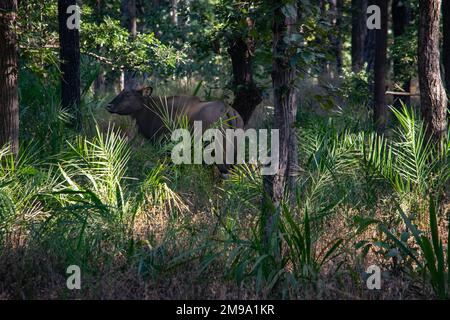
(129, 101)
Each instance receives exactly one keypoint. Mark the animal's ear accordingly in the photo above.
(146, 91)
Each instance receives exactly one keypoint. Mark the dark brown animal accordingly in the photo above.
(154, 115)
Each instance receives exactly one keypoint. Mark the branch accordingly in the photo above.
(101, 59)
(394, 93)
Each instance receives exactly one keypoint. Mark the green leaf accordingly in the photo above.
(331, 251)
(437, 246)
(401, 245)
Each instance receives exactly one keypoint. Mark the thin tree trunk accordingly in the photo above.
(322, 66)
(369, 50)
(285, 104)
(401, 18)
(121, 85)
(359, 31)
(433, 98)
(9, 65)
(129, 21)
(339, 44)
(246, 93)
(380, 105)
(99, 83)
(174, 12)
(69, 42)
(369, 44)
(336, 7)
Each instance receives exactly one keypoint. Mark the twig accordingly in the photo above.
(101, 59)
(402, 93)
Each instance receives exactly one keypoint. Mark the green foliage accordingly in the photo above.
(410, 162)
(80, 202)
(432, 252)
(404, 48)
(280, 262)
(101, 38)
(41, 111)
(37, 30)
(355, 88)
(142, 54)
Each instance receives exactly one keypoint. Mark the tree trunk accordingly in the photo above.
(433, 98)
(446, 43)
(9, 65)
(380, 105)
(401, 18)
(285, 105)
(322, 65)
(69, 43)
(336, 7)
(174, 12)
(99, 83)
(369, 44)
(359, 31)
(246, 94)
(129, 21)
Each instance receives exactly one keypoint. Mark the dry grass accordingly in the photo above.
(27, 272)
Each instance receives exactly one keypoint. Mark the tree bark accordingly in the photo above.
(323, 64)
(9, 66)
(246, 93)
(174, 12)
(433, 98)
(336, 7)
(99, 83)
(401, 18)
(69, 43)
(380, 105)
(129, 21)
(359, 32)
(285, 105)
(369, 44)
(446, 43)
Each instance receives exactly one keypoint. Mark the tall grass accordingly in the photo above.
(339, 167)
(431, 257)
(80, 203)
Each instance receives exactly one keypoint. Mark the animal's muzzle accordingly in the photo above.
(110, 107)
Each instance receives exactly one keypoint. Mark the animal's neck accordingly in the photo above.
(138, 114)
(153, 102)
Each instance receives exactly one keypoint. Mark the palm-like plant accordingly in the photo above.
(409, 161)
(433, 254)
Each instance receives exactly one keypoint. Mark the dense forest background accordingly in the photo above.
(358, 89)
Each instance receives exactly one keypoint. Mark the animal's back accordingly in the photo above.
(172, 102)
(210, 113)
(158, 110)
